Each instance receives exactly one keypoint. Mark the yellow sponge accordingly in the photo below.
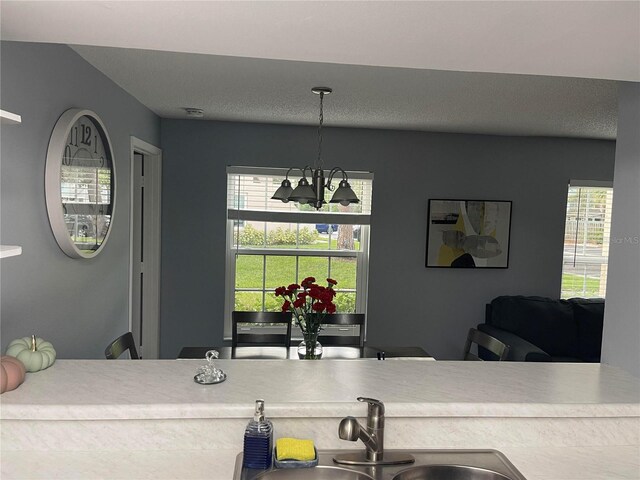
(295, 449)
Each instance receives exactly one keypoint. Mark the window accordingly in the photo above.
(271, 243)
(586, 239)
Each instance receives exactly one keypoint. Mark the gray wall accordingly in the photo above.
(621, 341)
(79, 305)
(408, 303)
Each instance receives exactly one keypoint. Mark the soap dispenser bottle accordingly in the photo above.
(258, 440)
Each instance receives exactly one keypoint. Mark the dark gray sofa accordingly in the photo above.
(540, 329)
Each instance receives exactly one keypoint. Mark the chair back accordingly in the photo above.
(482, 340)
(119, 345)
(260, 319)
(346, 320)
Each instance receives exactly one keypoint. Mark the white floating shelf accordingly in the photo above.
(9, 118)
(10, 251)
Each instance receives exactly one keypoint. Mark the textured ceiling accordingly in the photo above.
(279, 91)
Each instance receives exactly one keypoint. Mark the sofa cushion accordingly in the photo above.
(547, 323)
(589, 316)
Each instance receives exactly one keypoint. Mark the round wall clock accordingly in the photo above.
(80, 183)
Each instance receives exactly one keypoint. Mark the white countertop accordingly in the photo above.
(553, 421)
(159, 389)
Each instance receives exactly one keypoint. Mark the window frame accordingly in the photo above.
(591, 184)
(231, 251)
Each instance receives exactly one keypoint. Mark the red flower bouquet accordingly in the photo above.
(309, 303)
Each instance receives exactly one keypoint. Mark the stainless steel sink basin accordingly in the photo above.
(428, 465)
(321, 472)
(448, 472)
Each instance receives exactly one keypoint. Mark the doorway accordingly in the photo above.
(144, 292)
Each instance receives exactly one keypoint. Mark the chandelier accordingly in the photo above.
(313, 193)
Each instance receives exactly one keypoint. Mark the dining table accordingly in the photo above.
(291, 353)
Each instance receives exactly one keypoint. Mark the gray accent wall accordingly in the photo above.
(408, 303)
(621, 342)
(78, 305)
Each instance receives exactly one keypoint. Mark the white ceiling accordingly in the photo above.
(279, 91)
(256, 61)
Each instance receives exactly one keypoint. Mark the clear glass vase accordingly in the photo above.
(305, 352)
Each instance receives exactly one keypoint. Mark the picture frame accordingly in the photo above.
(468, 233)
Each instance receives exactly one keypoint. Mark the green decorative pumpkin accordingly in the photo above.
(34, 353)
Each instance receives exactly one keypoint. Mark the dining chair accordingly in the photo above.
(496, 348)
(347, 321)
(119, 345)
(258, 321)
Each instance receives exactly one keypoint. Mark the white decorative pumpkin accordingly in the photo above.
(34, 353)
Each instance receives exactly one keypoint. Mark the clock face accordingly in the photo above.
(85, 185)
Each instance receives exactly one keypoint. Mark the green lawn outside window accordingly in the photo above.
(280, 270)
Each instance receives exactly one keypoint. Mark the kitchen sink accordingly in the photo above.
(448, 472)
(428, 465)
(321, 472)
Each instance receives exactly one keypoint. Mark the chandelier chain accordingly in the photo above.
(319, 161)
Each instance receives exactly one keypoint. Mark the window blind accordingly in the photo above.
(86, 190)
(586, 240)
(249, 191)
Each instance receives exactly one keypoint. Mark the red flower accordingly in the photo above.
(308, 281)
(314, 292)
(308, 299)
(325, 296)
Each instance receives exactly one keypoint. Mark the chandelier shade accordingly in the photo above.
(303, 193)
(344, 195)
(284, 191)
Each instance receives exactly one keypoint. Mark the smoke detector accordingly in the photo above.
(194, 112)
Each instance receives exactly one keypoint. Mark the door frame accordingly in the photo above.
(152, 154)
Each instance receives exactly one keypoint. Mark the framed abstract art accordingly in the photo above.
(468, 233)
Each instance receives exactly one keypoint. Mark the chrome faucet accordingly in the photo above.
(372, 437)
